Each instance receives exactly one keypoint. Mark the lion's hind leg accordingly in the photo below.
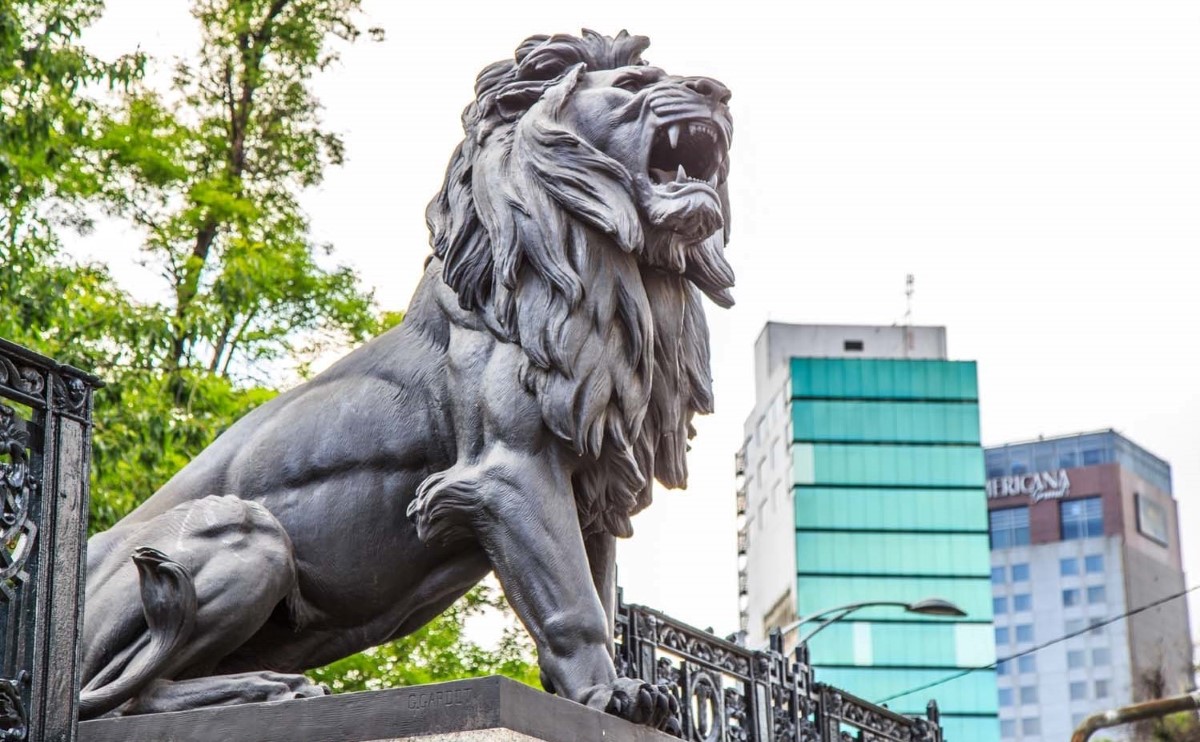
(238, 561)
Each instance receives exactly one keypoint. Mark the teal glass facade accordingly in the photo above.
(888, 476)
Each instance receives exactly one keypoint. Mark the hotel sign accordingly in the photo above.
(1044, 485)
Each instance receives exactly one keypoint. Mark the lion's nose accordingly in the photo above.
(709, 88)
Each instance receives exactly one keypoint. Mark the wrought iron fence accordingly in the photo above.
(45, 447)
(728, 693)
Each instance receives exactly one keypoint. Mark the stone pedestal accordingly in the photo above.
(495, 709)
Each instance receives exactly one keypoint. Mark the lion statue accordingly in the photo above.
(546, 372)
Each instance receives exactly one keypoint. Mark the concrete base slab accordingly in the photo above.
(494, 709)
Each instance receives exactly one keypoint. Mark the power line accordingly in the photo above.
(1040, 647)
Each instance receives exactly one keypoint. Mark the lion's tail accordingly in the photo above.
(169, 604)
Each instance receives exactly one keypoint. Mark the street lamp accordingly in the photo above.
(926, 607)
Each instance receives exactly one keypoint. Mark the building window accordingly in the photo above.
(1074, 626)
(1071, 597)
(1097, 626)
(1066, 460)
(1078, 690)
(1001, 635)
(1008, 728)
(1005, 697)
(1081, 518)
(1020, 572)
(997, 575)
(1022, 602)
(1100, 657)
(1095, 594)
(1031, 726)
(1094, 564)
(852, 345)
(999, 605)
(1024, 632)
(1068, 567)
(1075, 659)
(1009, 527)
(1101, 689)
(1029, 694)
(1003, 667)
(1093, 456)
(1027, 664)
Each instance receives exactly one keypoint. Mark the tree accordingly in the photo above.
(210, 171)
(48, 129)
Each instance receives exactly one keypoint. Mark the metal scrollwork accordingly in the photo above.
(17, 531)
(14, 727)
(21, 378)
(728, 693)
(70, 394)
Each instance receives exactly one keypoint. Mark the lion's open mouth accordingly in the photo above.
(686, 151)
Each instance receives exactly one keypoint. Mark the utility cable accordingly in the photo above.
(1041, 646)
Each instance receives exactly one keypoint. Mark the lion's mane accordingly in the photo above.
(539, 233)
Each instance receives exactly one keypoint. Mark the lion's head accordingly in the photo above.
(581, 213)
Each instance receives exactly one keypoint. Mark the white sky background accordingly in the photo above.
(1036, 165)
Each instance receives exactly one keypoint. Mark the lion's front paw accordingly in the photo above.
(639, 702)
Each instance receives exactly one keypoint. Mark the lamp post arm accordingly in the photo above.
(841, 612)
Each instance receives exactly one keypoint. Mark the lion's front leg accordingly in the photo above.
(522, 510)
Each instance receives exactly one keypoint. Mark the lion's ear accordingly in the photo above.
(588, 184)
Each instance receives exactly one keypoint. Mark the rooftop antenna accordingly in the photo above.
(909, 282)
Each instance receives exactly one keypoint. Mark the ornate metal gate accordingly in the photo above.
(728, 693)
(45, 448)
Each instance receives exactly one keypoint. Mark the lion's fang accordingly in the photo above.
(681, 174)
(673, 135)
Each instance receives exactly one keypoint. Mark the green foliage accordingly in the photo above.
(438, 651)
(45, 124)
(211, 171)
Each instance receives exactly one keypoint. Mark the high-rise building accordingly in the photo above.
(862, 479)
(1084, 529)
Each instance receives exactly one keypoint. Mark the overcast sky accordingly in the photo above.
(1035, 164)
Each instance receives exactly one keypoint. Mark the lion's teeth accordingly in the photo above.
(681, 174)
(673, 135)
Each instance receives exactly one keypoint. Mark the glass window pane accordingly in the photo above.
(1100, 656)
(1020, 572)
(1029, 694)
(1068, 567)
(1070, 597)
(1095, 594)
(1031, 726)
(1027, 663)
(1094, 564)
(1008, 728)
(949, 554)
(1009, 527)
(1101, 689)
(1082, 518)
(1075, 659)
(1001, 635)
(1022, 602)
(1024, 632)
(831, 421)
(841, 464)
(1005, 696)
(1078, 690)
(999, 605)
(861, 508)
